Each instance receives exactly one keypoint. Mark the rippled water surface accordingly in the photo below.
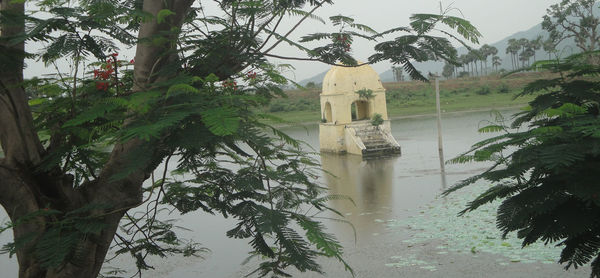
(402, 228)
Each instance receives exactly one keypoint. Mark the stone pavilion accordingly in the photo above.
(346, 125)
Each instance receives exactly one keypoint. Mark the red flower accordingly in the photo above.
(229, 84)
(132, 61)
(96, 73)
(101, 86)
(105, 74)
(114, 54)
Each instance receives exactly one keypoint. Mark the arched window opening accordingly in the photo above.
(328, 114)
(359, 110)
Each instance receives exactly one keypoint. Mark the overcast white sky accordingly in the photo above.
(495, 19)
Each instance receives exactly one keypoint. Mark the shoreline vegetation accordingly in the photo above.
(417, 99)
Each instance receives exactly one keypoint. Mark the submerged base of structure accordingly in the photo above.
(360, 138)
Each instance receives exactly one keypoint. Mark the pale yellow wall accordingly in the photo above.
(328, 113)
(347, 80)
(339, 90)
(331, 138)
(354, 145)
(363, 109)
(379, 105)
(341, 106)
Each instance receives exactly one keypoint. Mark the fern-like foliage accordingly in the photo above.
(198, 110)
(203, 116)
(64, 237)
(545, 164)
(416, 46)
(266, 195)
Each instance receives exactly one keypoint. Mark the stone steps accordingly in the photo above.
(375, 143)
(374, 140)
(387, 151)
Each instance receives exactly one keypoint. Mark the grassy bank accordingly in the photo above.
(417, 98)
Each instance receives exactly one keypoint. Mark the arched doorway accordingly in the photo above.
(327, 113)
(359, 110)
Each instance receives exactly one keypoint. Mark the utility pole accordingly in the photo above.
(439, 123)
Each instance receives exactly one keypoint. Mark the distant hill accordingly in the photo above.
(436, 67)
(568, 47)
(317, 79)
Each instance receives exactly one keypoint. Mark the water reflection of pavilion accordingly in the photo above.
(368, 182)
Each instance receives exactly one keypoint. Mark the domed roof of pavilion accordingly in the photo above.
(348, 80)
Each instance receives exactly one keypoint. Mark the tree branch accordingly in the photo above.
(15, 196)
(313, 60)
(319, 4)
(150, 59)
(271, 33)
(18, 137)
(5, 165)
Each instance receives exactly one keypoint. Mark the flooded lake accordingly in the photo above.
(402, 227)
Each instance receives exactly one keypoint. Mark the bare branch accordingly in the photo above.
(15, 196)
(319, 4)
(4, 164)
(271, 33)
(313, 60)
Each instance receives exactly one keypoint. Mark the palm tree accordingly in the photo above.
(473, 58)
(462, 60)
(536, 44)
(513, 49)
(525, 56)
(523, 44)
(448, 70)
(397, 72)
(492, 51)
(484, 52)
(468, 61)
(496, 61)
(549, 46)
(487, 51)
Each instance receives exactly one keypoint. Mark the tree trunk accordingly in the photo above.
(18, 139)
(481, 67)
(25, 190)
(486, 68)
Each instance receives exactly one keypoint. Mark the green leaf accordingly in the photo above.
(547, 130)
(162, 14)
(36, 101)
(491, 128)
(96, 111)
(181, 88)
(545, 181)
(221, 121)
